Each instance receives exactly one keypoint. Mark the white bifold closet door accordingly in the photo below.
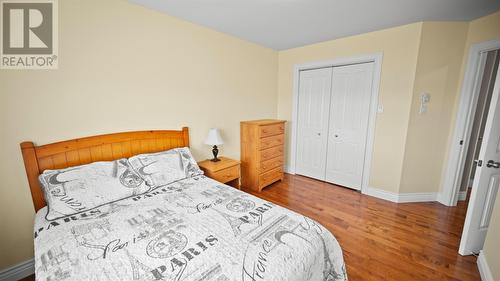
(348, 126)
(315, 88)
(334, 112)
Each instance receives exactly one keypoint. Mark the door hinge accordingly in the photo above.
(461, 142)
(479, 163)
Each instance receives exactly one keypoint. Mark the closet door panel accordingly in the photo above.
(348, 124)
(313, 113)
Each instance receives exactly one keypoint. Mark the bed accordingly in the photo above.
(172, 227)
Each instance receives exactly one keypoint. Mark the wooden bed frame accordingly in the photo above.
(91, 149)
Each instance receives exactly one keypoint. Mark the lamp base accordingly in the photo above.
(215, 151)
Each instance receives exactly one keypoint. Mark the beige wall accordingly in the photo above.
(438, 72)
(400, 50)
(123, 67)
(484, 29)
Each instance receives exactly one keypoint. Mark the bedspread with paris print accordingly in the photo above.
(193, 229)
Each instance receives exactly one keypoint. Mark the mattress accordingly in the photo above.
(192, 229)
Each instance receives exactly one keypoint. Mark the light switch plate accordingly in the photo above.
(425, 98)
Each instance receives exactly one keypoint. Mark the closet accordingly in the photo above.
(333, 113)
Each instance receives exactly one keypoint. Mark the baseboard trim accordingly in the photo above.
(18, 271)
(484, 269)
(287, 170)
(401, 197)
(381, 194)
(441, 198)
(417, 197)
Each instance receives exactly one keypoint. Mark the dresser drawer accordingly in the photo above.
(272, 141)
(269, 177)
(272, 152)
(271, 164)
(226, 174)
(271, 130)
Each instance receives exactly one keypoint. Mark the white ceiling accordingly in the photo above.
(284, 24)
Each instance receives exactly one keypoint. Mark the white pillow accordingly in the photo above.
(77, 189)
(165, 167)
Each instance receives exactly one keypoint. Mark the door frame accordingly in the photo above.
(376, 59)
(464, 118)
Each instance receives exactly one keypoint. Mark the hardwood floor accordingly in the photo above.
(382, 240)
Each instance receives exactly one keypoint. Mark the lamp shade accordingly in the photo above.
(213, 137)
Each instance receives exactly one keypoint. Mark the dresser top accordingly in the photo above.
(263, 121)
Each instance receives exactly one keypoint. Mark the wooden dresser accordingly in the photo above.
(262, 149)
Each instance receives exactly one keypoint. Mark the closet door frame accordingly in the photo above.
(376, 59)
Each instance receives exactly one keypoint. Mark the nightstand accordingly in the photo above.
(226, 171)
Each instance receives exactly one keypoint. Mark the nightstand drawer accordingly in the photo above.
(271, 163)
(227, 174)
(272, 141)
(272, 152)
(271, 130)
(271, 176)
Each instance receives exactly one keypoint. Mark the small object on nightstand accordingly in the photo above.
(214, 139)
(226, 170)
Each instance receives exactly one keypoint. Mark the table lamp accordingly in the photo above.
(214, 138)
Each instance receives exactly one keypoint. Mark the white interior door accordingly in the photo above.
(314, 101)
(348, 125)
(486, 180)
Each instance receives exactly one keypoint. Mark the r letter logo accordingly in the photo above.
(29, 34)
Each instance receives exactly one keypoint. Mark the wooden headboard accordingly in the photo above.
(91, 149)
